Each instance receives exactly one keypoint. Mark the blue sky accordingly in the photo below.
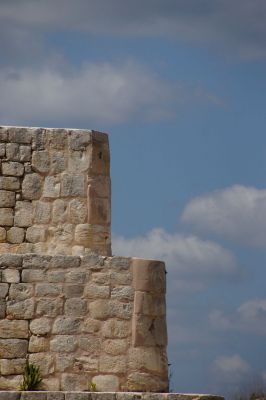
(180, 86)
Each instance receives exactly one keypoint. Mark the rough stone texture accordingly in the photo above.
(80, 320)
(105, 395)
(56, 183)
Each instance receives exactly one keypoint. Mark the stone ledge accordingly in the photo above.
(41, 395)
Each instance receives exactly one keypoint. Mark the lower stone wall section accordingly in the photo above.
(83, 319)
(104, 396)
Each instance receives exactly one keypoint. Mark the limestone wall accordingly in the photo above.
(83, 319)
(54, 191)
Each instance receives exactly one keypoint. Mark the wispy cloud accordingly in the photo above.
(237, 213)
(231, 369)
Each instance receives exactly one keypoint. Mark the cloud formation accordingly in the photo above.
(190, 261)
(236, 213)
(249, 317)
(231, 369)
(238, 26)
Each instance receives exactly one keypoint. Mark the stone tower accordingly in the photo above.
(66, 304)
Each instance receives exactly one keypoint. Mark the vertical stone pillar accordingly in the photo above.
(55, 191)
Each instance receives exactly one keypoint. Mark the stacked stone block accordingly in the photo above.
(54, 191)
(83, 319)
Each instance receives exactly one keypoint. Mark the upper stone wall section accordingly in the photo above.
(55, 191)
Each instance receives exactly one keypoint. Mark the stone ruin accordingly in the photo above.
(66, 304)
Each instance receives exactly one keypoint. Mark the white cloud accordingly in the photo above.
(190, 261)
(97, 93)
(231, 368)
(237, 213)
(249, 317)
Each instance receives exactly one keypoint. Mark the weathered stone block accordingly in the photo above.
(59, 261)
(57, 138)
(40, 326)
(12, 168)
(77, 211)
(79, 140)
(125, 293)
(90, 344)
(58, 162)
(115, 346)
(12, 152)
(10, 383)
(75, 306)
(106, 383)
(91, 325)
(34, 275)
(120, 278)
(13, 348)
(76, 276)
(64, 362)
(42, 212)
(36, 234)
(66, 325)
(33, 396)
(2, 234)
(79, 161)
(141, 381)
(148, 275)
(93, 291)
(41, 161)
(2, 308)
(20, 309)
(73, 185)
(15, 235)
(21, 135)
(9, 183)
(23, 214)
(20, 291)
(3, 290)
(63, 344)
(116, 364)
(150, 358)
(114, 328)
(49, 309)
(44, 361)
(73, 290)
(59, 214)
(25, 153)
(51, 187)
(12, 366)
(86, 363)
(6, 216)
(2, 148)
(38, 344)
(48, 289)
(77, 396)
(148, 304)
(7, 198)
(99, 309)
(32, 187)
(10, 275)
(74, 382)
(36, 261)
(16, 329)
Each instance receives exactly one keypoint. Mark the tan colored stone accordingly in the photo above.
(7, 198)
(124, 293)
(3, 290)
(79, 161)
(148, 304)
(115, 346)
(148, 275)
(38, 344)
(66, 325)
(12, 366)
(63, 344)
(106, 383)
(49, 309)
(59, 214)
(73, 185)
(114, 328)
(20, 309)
(37, 233)
(75, 306)
(73, 290)
(51, 187)
(6, 216)
(58, 162)
(77, 211)
(10, 275)
(32, 187)
(151, 359)
(12, 168)
(53, 385)
(16, 329)
(23, 214)
(99, 309)
(64, 362)
(15, 235)
(9, 183)
(48, 289)
(40, 326)
(34, 275)
(120, 278)
(11, 382)
(91, 325)
(116, 364)
(86, 363)
(98, 209)
(19, 135)
(44, 361)
(20, 291)
(144, 382)
(90, 344)
(41, 161)
(42, 212)
(13, 348)
(74, 382)
(93, 291)
(2, 234)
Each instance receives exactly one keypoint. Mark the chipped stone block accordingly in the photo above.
(12, 152)
(79, 141)
(34, 275)
(25, 153)
(114, 328)
(64, 362)
(13, 348)
(52, 384)
(106, 383)
(86, 363)
(59, 213)
(149, 275)
(16, 329)
(90, 344)
(148, 331)
(10, 383)
(48, 289)
(12, 366)
(91, 325)
(7, 198)
(3, 291)
(42, 212)
(36, 261)
(59, 261)
(57, 138)
(151, 359)
(125, 293)
(38, 344)
(36, 234)
(74, 382)
(145, 382)
(10, 260)
(77, 211)
(33, 396)
(79, 161)
(44, 361)
(58, 162)
(12, 168)
(19, 135)
(75, 306)
(115, 346)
